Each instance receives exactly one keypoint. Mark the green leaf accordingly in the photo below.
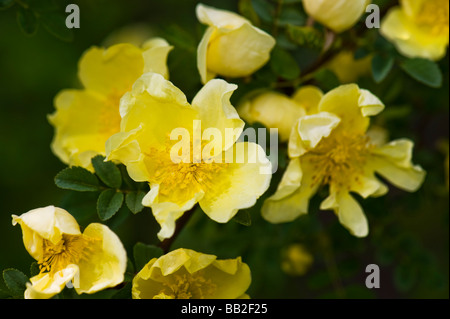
(134, 201)
(143, 253)
(107, 172)
(264, 9)
(246, 9)
(405, 277)
(55, 24)
(243, 217)
(283, 64)
(305, 36)
(423, 70)
(290, 15)
(16, 281)
(4, 294)
(326, 79)
(34, 269)
(41, 5)
(124, 292)
(179, 37)
(4, 4)
(82, 206)
(77, 179)
(109, 203)
(27, 21)
(381, 66)
(361, 53)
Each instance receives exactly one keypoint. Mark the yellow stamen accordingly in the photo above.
(109, 116)
(69, 250)
(191, 176)
(434, 14)
(339, 159)
(187, 286)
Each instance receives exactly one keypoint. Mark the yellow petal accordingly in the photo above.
(155, 52)
(83, 121)
(289, 202)
(274, 110)
(124, 147)
(106, 264)
(352, 105)
(113, 69)
(309, 97)
(202, 50)
(214, 110)
(368, 185)
(338, 15)
(228, 278)
(190, 259)
(296, 260)
(45, 223)
(393, 162)
(231, 284)
(347, 68)
(239, 52)
(167, 209)
(153, 98)
(349, 212)
(310, 130)
(238, 184)
(410, 39)
(218, 18)
(45, 286)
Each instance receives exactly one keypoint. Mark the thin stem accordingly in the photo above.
(330, 263)
(181, 222)
(277, 17)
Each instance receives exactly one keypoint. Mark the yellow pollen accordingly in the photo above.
(69, 250)
(187, 286)
(185, 177)
(434, 14)
(109, 115)
(337, 160)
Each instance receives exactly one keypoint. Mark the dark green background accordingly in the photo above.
(409, 232)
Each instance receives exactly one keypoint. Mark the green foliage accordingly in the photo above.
(381, 66)
(109, 203)
(143, 253)
(134, 201)
(15, 281)
(283, 64)
(243, 217)
(55, 24)
(32, 13)
(410, 246)
(424, 71)
(77, 179)
(5, 4)
(27, 21)
(306, 36)
(107, 172)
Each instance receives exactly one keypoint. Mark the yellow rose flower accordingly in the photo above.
(347, 68)
(296, 260)
(338, 15)
(418, 28)
(186, 274)
(92, 260)
(231, 46)
(332, 148)
(276, 110)
(85, 118)
(209, 174)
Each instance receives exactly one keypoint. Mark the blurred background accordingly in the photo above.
(312, 257)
